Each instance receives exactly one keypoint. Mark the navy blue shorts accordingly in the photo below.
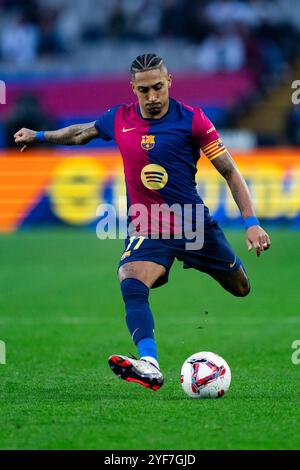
(215, 255)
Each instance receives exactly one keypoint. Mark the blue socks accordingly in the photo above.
(139, 317)
(147, 348)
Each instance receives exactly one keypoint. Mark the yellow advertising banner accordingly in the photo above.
(67, 187)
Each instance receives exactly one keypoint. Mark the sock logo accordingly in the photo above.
(135, 331)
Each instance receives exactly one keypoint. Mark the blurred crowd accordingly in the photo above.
(262, 36)
(229, 34)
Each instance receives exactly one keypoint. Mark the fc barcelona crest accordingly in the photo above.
(148, 142)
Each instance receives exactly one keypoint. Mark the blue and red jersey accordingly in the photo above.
(160, 155)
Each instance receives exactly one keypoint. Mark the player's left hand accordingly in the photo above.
(257, 238)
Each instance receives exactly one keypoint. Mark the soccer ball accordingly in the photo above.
(205, 375)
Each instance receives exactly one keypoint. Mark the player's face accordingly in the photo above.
(152, 89)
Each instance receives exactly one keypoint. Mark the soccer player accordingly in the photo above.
(160, 141)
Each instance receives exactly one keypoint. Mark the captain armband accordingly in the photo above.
(214, 149)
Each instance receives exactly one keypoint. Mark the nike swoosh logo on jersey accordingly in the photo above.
(127, 130)
(232, 264)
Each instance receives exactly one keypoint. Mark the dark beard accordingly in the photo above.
(154, 111)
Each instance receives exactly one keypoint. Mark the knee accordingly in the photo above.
(242, 290)
(133, 290)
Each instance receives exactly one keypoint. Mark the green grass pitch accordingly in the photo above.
(61, 316)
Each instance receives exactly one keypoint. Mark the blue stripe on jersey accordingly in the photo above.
(175, 151)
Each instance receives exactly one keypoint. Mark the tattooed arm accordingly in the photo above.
(238, 187)
(78, 134)
(256, 236)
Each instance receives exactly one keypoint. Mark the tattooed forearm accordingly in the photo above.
(236, 196)
(239, 189)
(240, 194)
(73, 135)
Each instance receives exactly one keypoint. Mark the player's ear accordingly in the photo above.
(170, 80)
(133, 87)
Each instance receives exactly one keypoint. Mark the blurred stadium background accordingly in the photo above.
(65, 62)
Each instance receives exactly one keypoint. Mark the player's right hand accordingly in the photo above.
(25, 137)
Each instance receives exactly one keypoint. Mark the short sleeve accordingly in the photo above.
(106, 123)
(206, 135)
